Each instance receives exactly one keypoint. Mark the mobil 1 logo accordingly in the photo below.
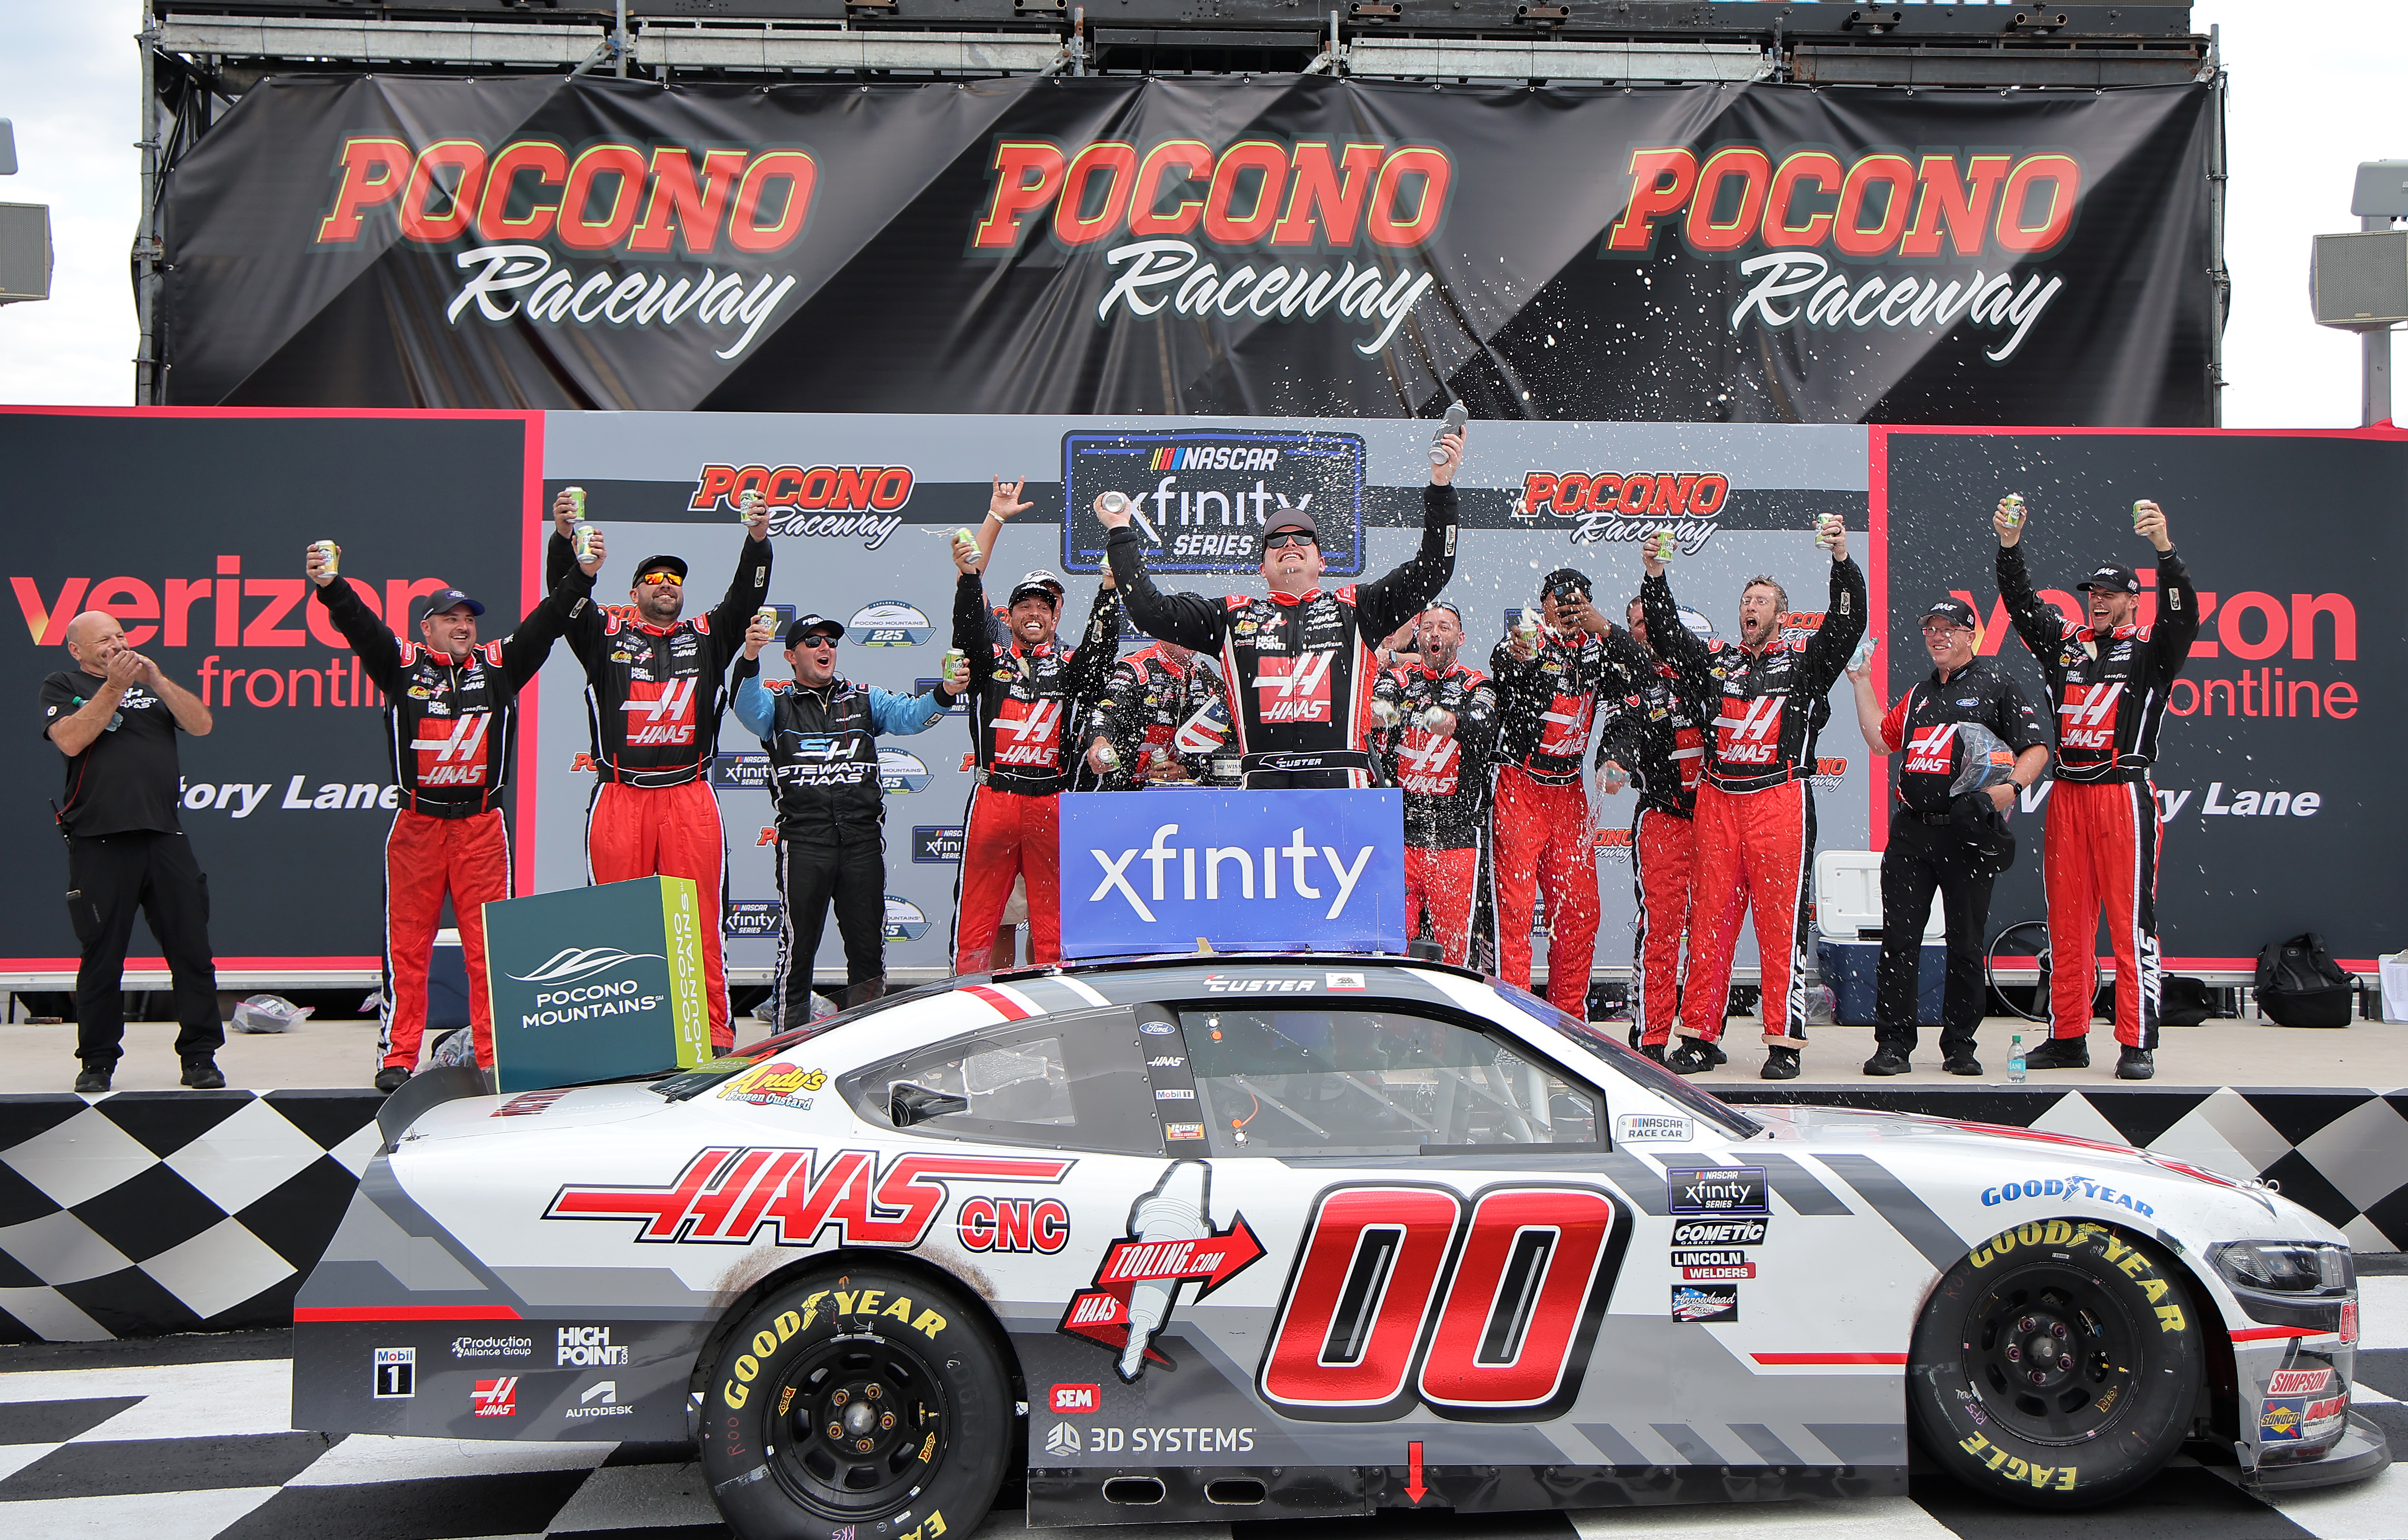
(1201, 497)
(394, 1374)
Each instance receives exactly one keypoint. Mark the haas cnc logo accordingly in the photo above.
(1293, 689)
(1753, 737)
(660, 713)
(457, 757)
(2089, 713)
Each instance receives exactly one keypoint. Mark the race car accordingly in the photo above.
(1283, 1236)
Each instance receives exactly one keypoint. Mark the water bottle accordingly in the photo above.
(1457, 414)
(2016, 1060)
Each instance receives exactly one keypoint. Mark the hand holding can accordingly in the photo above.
(2011, 507)
(1457, 416)
(581, 539)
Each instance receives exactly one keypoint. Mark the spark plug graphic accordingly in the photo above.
(1173, 1211)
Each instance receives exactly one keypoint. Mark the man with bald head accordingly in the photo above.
(115, 717)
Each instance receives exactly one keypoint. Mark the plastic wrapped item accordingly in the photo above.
(268, 1014)
(454, 1049)
(1986, 761)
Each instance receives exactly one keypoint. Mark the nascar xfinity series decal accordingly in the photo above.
(1716, 1189)
(1170, 1242)
(725, 1196)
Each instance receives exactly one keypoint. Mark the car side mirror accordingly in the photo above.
(907, 1103)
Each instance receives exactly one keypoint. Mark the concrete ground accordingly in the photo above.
(332, 1054)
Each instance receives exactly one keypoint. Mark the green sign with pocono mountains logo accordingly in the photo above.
(593, 983)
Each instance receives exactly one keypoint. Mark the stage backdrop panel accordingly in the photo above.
(1308, 245)
(192, 528)
(2279, 786)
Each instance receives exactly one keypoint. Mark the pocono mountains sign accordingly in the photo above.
(1112, 245)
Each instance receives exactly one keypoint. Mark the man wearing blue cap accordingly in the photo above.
(449, 714)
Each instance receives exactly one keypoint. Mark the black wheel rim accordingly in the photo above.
(857, 1423)
(2050, 1354)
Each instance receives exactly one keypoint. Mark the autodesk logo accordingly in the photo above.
(1214, 857)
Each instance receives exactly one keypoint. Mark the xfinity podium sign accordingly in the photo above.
(1246, 870)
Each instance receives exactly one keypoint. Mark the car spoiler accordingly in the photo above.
(422, 1093)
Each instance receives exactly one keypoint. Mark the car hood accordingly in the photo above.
(585, 1106)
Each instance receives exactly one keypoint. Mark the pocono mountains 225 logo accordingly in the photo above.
(521, 217)
(1810, 233)
(1256, 227)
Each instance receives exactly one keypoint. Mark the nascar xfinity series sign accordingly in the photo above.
(1246, 870)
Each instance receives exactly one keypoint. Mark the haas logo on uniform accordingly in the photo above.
(457, 759)
(1930, 753)
(1027, 733)
(1293, 689)
(1427, 766)
(2089, 713)
(659, 713)
(1567, 725)
(1753, 737)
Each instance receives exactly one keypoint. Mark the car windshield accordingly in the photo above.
(1630, 1064)
(686, 1085)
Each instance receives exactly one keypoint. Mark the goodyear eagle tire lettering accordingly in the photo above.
(2057, 1366)
(863, 1402)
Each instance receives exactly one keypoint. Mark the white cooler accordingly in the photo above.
(1847, 942)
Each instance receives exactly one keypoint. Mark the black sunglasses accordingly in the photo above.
(1280, 542)
(816, 638)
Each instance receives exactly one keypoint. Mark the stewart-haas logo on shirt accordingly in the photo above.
(518, 216)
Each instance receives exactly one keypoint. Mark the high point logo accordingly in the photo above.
(518, 207)
(1803, 227)
(1256, 197)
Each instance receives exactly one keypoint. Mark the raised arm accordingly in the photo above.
(1098, 649)
(1406, 592)
(2035, 620)
(1188, 619)
(2177, 624)
(379, 650)
(524, 651)
(752, 704)
(1844, 625)
(747, 591)
(1674, 643)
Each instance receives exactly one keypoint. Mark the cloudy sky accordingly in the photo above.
(68, 79)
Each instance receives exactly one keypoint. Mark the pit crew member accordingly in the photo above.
(1026, 694)
(451, 723)
(1298, 661)
(1440, 741)
(1755, 813)
(1937, 840)
(656, 684)
(821, 733)
(2107, 680)
(1547, 693)
(1162, 713)
(1655, 737)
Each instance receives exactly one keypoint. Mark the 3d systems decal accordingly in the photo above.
(1170, 1242)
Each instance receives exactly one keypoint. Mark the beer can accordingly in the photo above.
(1431, 717)
(954, 657)
(1113, 502)
(2014, 501)
(1666, 545)
(576, 495)
(330, 550)
(1109, 756)
(749, 501)
(582, 539)
(2138, 510)
(767, 615)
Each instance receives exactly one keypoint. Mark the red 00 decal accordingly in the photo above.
(1515, 1307)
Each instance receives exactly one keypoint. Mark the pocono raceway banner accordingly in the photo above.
(2282, 742)
(1276, 246)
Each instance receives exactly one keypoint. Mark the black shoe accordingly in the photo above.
(94, 1078)
(2059, 1053)
(1886, 1061)
(391, 1078)
(202, 1074)
(1965, 1064)
(1654, 1051)
(1695, 1056)
(1781, 1064)
(2134, 1064)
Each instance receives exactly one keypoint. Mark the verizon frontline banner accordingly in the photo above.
(1290, 245)
(2278, 784)
(191, 529)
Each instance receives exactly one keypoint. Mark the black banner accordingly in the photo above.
(2278, 782)
(192, 531)
(1276, 246)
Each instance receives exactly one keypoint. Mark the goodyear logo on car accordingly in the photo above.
(902, 772)
(904, 920)
(890, 622)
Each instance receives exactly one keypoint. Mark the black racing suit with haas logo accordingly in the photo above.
(1545, 842)
(2100, 843)
(653, 695)
(1157, 712)
(1299, 667)
(1755, 817)
(1444, 777)
(452, 728)
(1656, 733)
(1024, 703)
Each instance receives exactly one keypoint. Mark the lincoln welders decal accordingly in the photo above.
(1170, 1242)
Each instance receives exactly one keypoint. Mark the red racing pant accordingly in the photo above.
(1662, 851)
(1444, 881)
(425, 857)
(2100, 852)
(1009, 834)
(668, 831)
(1544, 845)
(1755, 850)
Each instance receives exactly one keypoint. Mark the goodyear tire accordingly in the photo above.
(865, 1404)
(2057, 1366)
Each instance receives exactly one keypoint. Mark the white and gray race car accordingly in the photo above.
(1290, 1236)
